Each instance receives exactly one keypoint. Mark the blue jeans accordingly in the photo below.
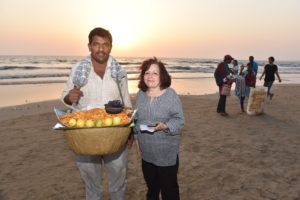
(90, 171)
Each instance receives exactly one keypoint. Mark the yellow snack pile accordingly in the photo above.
(93, 115)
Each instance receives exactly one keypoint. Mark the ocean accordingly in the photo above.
(55, 69)
(189, 75)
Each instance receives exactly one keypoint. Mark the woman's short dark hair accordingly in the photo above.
(101, 32)
(165, 78)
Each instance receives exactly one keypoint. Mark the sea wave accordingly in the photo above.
(25, 76)
(47, 69)
(32, 68)
(31, 81)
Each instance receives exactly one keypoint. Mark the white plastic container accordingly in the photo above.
(257, 101)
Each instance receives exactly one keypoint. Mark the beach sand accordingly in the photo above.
(239, 157)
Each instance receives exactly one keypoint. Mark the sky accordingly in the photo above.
(162, 28)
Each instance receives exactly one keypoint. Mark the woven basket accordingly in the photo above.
(97, 141)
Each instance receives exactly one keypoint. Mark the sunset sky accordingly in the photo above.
(163, 28)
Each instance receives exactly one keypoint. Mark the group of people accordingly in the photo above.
(244, 79)
(157, 105)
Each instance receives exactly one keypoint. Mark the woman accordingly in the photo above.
(243, 84)
(159, 110)
(270, 70)
(235, 69)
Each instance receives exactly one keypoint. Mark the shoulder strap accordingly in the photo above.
(117, 74)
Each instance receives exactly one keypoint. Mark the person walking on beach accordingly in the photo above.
(244, 82)
(100, 88)
(222, 76)
(254, 66)
(269, 71)
(159, 109)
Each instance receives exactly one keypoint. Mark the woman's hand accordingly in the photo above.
(160, 126)
(137, 148)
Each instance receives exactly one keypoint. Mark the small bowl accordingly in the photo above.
(113, 110)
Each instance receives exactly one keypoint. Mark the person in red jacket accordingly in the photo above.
(223, 72)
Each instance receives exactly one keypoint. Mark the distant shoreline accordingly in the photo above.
(15, 95)
(41, 106)
(27, 79)
(145, 57)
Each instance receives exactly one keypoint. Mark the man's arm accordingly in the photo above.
(277, 74)
(262, 75)
(69, 93)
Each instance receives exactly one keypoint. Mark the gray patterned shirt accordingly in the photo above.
(162, 147)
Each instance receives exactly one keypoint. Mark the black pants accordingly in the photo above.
(222, 104)
(242, 99)
(269, 85)
(161, 179)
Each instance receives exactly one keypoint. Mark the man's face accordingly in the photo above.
(229, 61)
(271, 61)
(100, 49)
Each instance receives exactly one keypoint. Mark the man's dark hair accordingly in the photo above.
(165, 78)
(101, 32)
(272, 58)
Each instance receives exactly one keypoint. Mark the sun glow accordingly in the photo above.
(123, 35)
(123, 21)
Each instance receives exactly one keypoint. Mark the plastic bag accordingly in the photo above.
(225, 90)
(257, 100)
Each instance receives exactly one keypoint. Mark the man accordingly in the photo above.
(254, 67)
(270, 70)
(99, 88)
(223, 74)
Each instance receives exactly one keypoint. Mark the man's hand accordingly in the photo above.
(242, 67)
(130, 141)
(73, 96)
